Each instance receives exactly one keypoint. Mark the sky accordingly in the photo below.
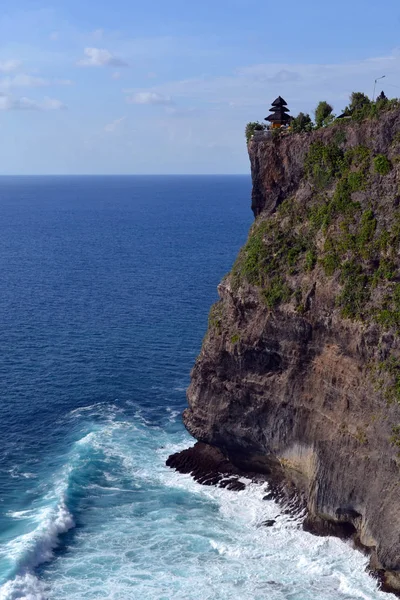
(167, 86)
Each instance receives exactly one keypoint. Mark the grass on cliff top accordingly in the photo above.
(333, 232)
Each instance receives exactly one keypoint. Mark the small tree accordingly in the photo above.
(302, 122)
(323, 114)
(360, 106)
(358, 101)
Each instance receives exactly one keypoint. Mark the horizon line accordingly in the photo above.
(124, 174)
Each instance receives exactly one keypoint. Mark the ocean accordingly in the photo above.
(106, 284)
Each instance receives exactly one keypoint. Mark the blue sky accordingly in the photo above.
(167, 86)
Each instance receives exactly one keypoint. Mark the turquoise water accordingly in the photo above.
(106, 286)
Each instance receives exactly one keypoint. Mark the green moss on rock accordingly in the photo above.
(382, 164)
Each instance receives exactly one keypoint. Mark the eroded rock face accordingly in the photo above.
(277, 165)
(283, 390)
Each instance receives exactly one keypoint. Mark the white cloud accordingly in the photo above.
(98, 57)
(51, 104)
(249, 90)
(115, 125)
(8, 66)
(116, 75)
(149, 98)
(10, 103)
(284, 76)
(22, 80)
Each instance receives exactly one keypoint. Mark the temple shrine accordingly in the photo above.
(279, 114)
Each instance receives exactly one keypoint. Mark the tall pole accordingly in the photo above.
(377, 79)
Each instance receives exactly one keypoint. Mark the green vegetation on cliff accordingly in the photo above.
(342, 230)
(338, 229)
(382, 164)
(333, 231)
(252, 127)
(359, 109)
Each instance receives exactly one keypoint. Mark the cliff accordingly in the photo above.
(299, 373)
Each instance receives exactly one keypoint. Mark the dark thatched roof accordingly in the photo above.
(278, 116)
(279, 101)
(279, 108)
(278, 112)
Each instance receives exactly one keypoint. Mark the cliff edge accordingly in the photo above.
(299, 373)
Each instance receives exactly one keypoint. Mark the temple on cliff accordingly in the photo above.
(279, 113)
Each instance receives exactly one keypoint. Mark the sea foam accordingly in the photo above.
(153, 533)
(32, 549)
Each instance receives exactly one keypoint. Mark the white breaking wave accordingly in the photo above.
(24, 587)
(47, 522)
(164, 536)
(29, 550)
(32, 549)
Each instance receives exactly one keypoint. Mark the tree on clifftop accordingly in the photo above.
(358, 100)
(323, 114)
(302, 122)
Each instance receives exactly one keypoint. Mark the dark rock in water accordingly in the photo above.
(269, 523)
(208, 466)
(297, 379)
(268, 496)
(233, 484)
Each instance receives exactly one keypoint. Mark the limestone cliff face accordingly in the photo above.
(300, 368)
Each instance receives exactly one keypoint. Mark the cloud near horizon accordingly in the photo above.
(100, 57)
(154, 98)
(8, 102)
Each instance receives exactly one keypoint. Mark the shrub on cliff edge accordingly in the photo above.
(252, 127)
(301, 123)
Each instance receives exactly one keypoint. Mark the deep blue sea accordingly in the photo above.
(106, 283)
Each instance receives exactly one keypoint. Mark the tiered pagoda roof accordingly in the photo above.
(279, 112)
(279, 101)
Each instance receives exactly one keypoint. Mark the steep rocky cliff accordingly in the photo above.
(299, 373)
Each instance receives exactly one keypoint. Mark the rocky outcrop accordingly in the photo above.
(299, 373)
(209, 466)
